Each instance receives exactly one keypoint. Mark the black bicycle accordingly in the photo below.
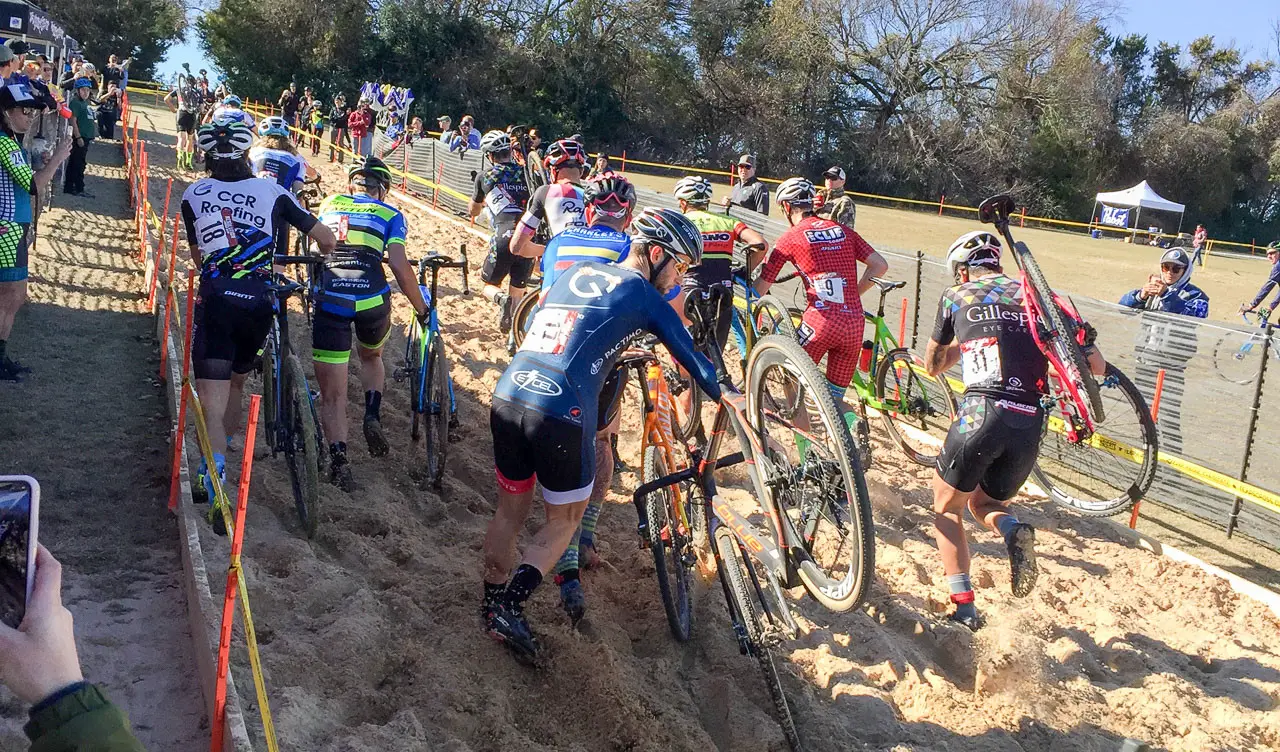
(310, 197)
(289, 405)
(426, 368)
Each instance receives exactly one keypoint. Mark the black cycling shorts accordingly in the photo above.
(331, 332)
(610, 398)
(186, 121)
(530, 446)
(993, 443)
(501, 263)
(230, 324)
(714, 306)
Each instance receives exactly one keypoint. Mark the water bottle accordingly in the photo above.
(864, 358)
(426, 295)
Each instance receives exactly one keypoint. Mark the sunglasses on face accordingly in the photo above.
(1172, 267)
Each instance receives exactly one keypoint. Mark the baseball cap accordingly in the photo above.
(747, 159)
(444, 117)
(1176, 256)
(17, 46)
(835, 173)
(6, 54)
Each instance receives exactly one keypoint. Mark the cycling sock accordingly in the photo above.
(526, 579)
(589, 519)
(372, 404)
(569, 575)
(1005, 524)
(493, 593)
(962, 595)
(338, 449)
(569, 559)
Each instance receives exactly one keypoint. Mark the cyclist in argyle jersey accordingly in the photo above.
(544, 411)
(501, 192)
(992, 446)
(557, 205)
(353, 291)
(275, 157)
(231, 220)
(826, 254)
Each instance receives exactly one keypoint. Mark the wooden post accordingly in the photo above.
(902, 323)
(624, 160)
(1023, 221)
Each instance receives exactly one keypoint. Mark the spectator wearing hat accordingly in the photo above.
(467, 137)
(833, 202)
(445, 123)
(749, 193)
(82, 130)
(10, 67)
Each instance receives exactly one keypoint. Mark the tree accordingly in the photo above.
(141, 29)
(1206, 80)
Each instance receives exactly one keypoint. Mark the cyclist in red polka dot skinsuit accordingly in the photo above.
(826, 254)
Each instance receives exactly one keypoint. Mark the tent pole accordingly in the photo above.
(1093, 217)
(1181, 217)
(1137, 222)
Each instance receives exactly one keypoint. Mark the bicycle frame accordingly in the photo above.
(882, 342)
(658, 407)
(745, 303)
(279, 336)
(427, 334)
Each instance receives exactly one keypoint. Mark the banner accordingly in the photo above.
(1114, 216)
(387, 98)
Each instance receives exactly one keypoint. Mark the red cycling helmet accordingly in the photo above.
(564, 153)
(606, 186)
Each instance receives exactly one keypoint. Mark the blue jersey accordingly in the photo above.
(575, 244)
(278, 165)
(588, 317)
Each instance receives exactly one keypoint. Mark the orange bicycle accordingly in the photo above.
(674, 531)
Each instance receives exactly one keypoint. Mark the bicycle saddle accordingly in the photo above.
(996, 209)
(438, 259)
(886, 285)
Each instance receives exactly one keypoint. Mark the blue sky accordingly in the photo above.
(1247, 22)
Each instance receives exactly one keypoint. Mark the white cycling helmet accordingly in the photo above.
(273, 126)
(495, 141)
(977, 248)
(695, 189)
(224, 140)
(796, 191)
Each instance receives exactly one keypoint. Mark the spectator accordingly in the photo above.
(82, 127)
(445, 124)
(601, 165)
(204, 78)
(108, 112)
(305, 107)
(833, 203)
(40, 665)
(288, 104)
(17, 114)
(316, 122)
(534, 157)
(360, 123)
(9, 65)
(1273, 280)
(466, 138)
(1197, 245)
(66, 83)
(1167, 342)
(749, 192)
(338, 115)
(112, 73)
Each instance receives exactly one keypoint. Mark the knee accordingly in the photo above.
(369, 356)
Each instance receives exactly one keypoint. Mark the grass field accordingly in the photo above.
(1074, 262)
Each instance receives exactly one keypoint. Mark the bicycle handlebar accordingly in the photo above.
(311, 260)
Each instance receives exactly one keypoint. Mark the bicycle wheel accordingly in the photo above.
(1064, 345)
(523, 316)
(301, 447)
(303, 272)
(1105, 475)
(1237, 356)
(918, 408)
(686, 423)
(270, 403)
(817, 483)
(772, 317)
(743, 611)
(436, 410)
(416, 372)
(671, 548)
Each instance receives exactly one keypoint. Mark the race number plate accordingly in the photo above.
(550, 331)
(980, 361)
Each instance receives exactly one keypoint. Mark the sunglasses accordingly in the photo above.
(1172, 267)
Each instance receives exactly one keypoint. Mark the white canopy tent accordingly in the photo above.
(1139, 197)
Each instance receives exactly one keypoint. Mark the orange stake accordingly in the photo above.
(902, 323)
(168, 298)
(941, 203)
(1155, 415)
(168, 191)
(182, 400)
(191, 303)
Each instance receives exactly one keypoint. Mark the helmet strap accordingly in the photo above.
(656, 271)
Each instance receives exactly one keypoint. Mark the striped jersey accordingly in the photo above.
(594, 243)
(365, 227)
(719, 234)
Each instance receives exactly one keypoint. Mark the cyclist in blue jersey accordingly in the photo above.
(501, 192)
(275, 157)
(231, 219)
(354, 293)
(610, 199)
(546, 405)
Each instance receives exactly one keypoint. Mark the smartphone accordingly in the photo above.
(19, 524)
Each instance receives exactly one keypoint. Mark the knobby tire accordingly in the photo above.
(302, 451)
(437, 411)
(928, 401)
(675, 580)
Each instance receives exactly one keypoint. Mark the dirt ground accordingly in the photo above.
(1104, 269)
(371, 638)
(90, 425)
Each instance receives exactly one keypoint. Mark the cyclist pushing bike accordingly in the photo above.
(502, 193)
(991, 447)
(1273, 281)
(231, 219)
(545, 407)
(826, 253)
(353, 291)
(557, 205)
(275, 157)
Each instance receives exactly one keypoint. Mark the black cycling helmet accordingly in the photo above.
(609, 185)
(672, 231)
(228, 139)
(564, 153)
(371, 169)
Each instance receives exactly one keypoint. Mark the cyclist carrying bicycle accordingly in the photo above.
(275, 156)
(231, 219)
(502, 192)
(1273, 281)
(826, 254)
(992, 446)
(559, 204)
(545, 407)
(353, 290)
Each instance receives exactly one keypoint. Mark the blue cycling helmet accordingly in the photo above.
(273, 126)
(83, 83)
(232, 101)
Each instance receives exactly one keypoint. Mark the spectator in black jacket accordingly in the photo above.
(749, 193)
